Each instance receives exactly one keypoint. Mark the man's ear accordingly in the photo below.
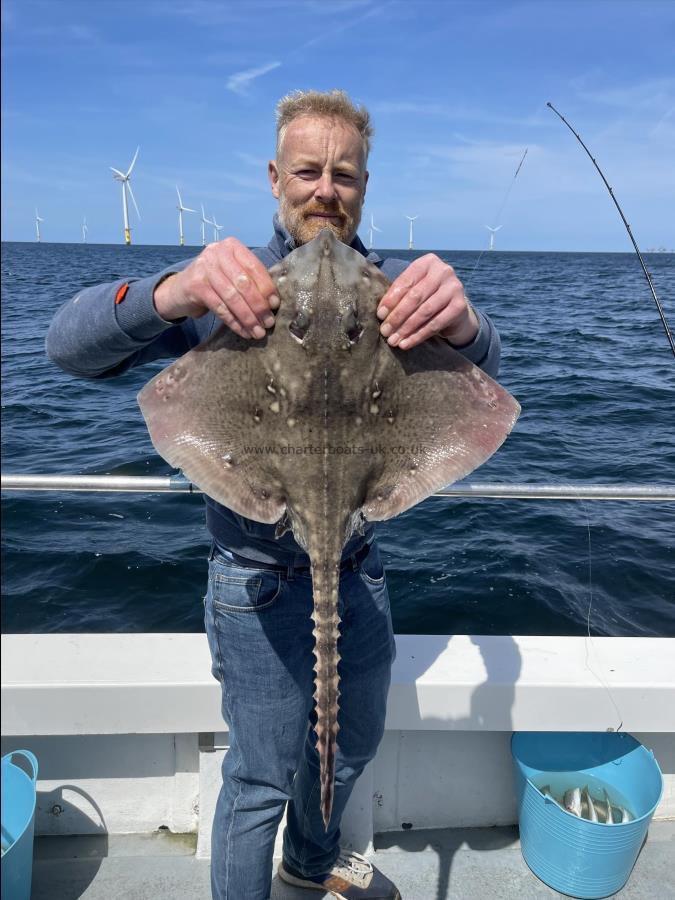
(273, 175)
(365, 181)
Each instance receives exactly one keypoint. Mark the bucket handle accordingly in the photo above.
(30, 758)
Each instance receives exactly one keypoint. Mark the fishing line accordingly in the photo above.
(510, 187)
(499, 212)
(588, 639)
(630, 233)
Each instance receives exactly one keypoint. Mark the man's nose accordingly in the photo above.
(325, 189)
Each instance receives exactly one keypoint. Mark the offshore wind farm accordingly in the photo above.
(124, 179)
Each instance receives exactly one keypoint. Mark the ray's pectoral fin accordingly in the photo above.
(448, 418)
(198, 413)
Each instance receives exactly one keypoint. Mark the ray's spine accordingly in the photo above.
(325, 582)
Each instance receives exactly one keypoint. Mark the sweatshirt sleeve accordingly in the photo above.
(106, 329)
(485, 349)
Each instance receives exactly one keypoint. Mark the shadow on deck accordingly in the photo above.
(447, 864)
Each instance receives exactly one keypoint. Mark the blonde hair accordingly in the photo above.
(333, 104)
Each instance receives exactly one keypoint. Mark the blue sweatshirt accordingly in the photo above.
(92, 336)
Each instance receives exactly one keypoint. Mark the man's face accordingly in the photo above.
(319, 178)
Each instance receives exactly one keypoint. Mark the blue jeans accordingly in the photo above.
(260, 635)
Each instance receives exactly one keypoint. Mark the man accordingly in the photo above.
(259, 599)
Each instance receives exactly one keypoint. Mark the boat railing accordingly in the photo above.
(178, 484)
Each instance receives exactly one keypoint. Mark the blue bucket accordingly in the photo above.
(573, 855)
(18, 820)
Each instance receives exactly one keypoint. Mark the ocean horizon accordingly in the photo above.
(387, 251)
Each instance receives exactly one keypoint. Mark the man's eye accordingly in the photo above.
(307, 173)
(344, 176)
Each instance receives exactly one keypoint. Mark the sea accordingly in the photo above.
(584, 352)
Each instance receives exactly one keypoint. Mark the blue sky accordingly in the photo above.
(457, 91)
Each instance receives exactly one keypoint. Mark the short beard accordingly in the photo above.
(302, 229)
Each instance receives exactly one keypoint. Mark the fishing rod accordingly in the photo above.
(630, 233)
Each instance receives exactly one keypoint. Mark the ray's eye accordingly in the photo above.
(352, 326)
(300, 325)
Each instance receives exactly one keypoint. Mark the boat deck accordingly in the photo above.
(449, 864)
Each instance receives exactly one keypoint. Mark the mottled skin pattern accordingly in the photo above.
(321, 424)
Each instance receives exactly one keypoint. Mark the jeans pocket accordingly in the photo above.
(242, 590)
(371, 569)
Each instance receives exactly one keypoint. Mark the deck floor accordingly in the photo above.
(452, 864)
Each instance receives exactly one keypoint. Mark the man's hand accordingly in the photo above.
(427, 299)
(227, 279)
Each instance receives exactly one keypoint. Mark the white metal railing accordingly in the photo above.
(178, 484)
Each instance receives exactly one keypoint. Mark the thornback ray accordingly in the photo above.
(320, 425)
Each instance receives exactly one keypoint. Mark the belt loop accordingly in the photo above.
(290, 571)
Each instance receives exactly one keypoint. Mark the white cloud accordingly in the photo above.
(240, 81)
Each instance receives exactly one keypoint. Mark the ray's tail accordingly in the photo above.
(325, 582)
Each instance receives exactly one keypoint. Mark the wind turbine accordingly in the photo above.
(85, 229)
(216, 229)
(493, 231)
(181, 210)
(373, 227)
(411, 219)
(37, 224)
(205, 221)
(126, 186)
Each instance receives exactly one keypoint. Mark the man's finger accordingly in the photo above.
(248, 290)
(235, 272)
(416, 272)
(235, 302)
(433, 327)
(397, 290)
(430, 329)
(450, 314)
(415, 298)
(435, 306)
(264, 287)
(215, 303)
